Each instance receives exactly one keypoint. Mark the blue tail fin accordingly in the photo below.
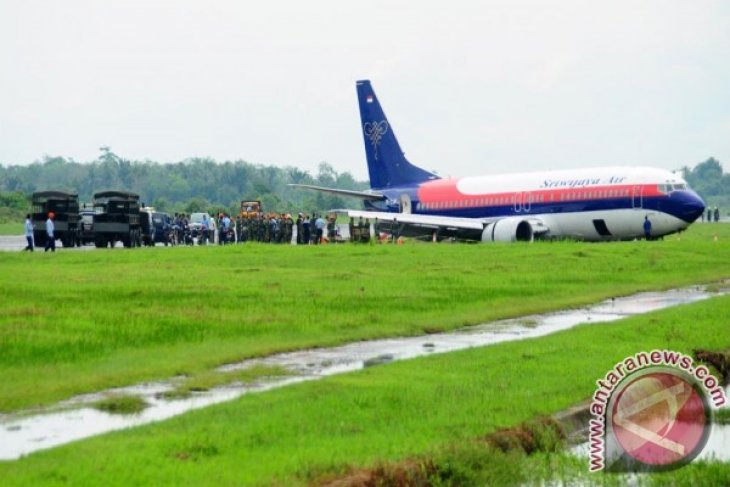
(386, 163)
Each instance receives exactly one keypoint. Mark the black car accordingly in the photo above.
(156, 227)
(162, 224)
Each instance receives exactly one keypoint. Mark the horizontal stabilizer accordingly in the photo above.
(363, 195)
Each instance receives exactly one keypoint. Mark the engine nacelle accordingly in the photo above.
(514, 229)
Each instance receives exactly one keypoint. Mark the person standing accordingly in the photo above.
(50, 233)
(204, 228)
(319, 225)
(647, 228)
(28, 233)
(227, 228)
(331, 228)
(307, 230)
(300, 228)
(717, 214)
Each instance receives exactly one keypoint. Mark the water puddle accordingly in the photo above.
(28, 431)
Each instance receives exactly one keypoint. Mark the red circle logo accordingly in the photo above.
(660, 419)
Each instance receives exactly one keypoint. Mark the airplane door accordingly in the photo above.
(637, 198)
(522, 202)
(405, 203)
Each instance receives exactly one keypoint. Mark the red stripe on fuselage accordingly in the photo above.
(447, 191)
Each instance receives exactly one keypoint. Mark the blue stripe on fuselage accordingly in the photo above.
(685, 205)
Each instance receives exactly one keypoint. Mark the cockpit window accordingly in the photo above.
(668, 188)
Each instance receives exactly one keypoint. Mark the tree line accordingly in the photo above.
(710, 181)
(196, 184)
(202, 184)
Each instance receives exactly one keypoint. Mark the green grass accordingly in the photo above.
(121, 404)
(391, 413)
(723, 416)
(11, 228)
(77, 322)
(566, 469)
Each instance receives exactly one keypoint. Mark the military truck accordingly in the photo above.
(65, 207)
(117, 218)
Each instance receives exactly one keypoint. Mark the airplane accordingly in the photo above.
(596, 204)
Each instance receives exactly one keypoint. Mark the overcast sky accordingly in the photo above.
(469, 87)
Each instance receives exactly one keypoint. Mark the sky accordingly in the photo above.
(468, 87)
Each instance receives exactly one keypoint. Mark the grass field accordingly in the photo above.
(432, 407)
(11, 228)
(75, 322)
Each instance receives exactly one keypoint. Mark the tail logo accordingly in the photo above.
(375, 131)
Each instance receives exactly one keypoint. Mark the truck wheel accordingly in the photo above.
(100, 242)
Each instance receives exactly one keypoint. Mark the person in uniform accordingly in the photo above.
(331, 228)
(289, 227)
(307, 230)
(647, 228)
(300, 231)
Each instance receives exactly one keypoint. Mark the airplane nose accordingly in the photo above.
(693, 207)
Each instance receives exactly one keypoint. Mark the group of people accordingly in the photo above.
(279, 228)
(712, 214)
(274, 228)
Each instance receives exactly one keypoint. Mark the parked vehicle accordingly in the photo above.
(117, 218)
(86, 223)
(196, 227)
(156, 227)
(146, 226)
(65, 207)
(250, 209)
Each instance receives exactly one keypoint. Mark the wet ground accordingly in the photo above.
(29, 431)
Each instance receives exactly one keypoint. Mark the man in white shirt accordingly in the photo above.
(50, 233)
(29, 233)
(204, 229)
(319, 225)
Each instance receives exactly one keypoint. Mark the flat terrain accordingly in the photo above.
(74, 322)
(11, 228)
(435, 407)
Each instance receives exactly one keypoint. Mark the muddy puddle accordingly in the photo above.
(28, 431)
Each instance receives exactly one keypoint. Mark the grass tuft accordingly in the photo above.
(121, 404)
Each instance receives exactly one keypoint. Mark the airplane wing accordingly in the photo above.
(470, 228)
(363, 195)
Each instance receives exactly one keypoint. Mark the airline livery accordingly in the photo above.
(606, 203)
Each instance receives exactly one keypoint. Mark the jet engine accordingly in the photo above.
(513, 229)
